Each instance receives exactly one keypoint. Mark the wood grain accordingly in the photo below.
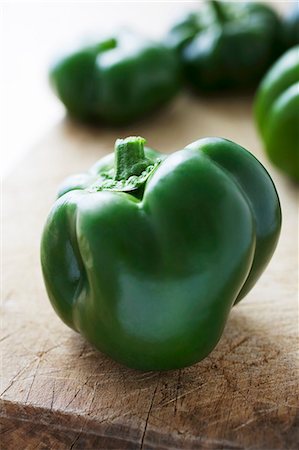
(60, 393)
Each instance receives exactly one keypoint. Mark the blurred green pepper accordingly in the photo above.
(227, 45)
(291, 28)
(117, 80)
(277, 112)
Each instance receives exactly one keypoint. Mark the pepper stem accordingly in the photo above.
(130, 159)
(218, 10)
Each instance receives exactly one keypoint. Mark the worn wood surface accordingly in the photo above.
(59, 393)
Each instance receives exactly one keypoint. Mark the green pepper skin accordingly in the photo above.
(150, 280)
(116, 81)
(291, 28)
(277, 113)
(227, 45)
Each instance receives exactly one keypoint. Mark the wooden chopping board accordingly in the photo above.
(60, 393)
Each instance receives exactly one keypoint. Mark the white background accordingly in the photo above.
(33, 32)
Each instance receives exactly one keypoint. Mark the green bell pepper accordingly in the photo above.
(227, 45)
(117, 80)
(277, 112)
(145, 254)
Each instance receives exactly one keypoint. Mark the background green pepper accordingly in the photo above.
(117, 80)
(227, 45)
(291, 28)
(277, 112)
(146, 254)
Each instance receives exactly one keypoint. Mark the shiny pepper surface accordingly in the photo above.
(146, 254)
(277, 113)
(116, 81)
(227, 45)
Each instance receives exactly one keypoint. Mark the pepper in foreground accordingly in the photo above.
(277, 113)
(146, 254)
(117, 80)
